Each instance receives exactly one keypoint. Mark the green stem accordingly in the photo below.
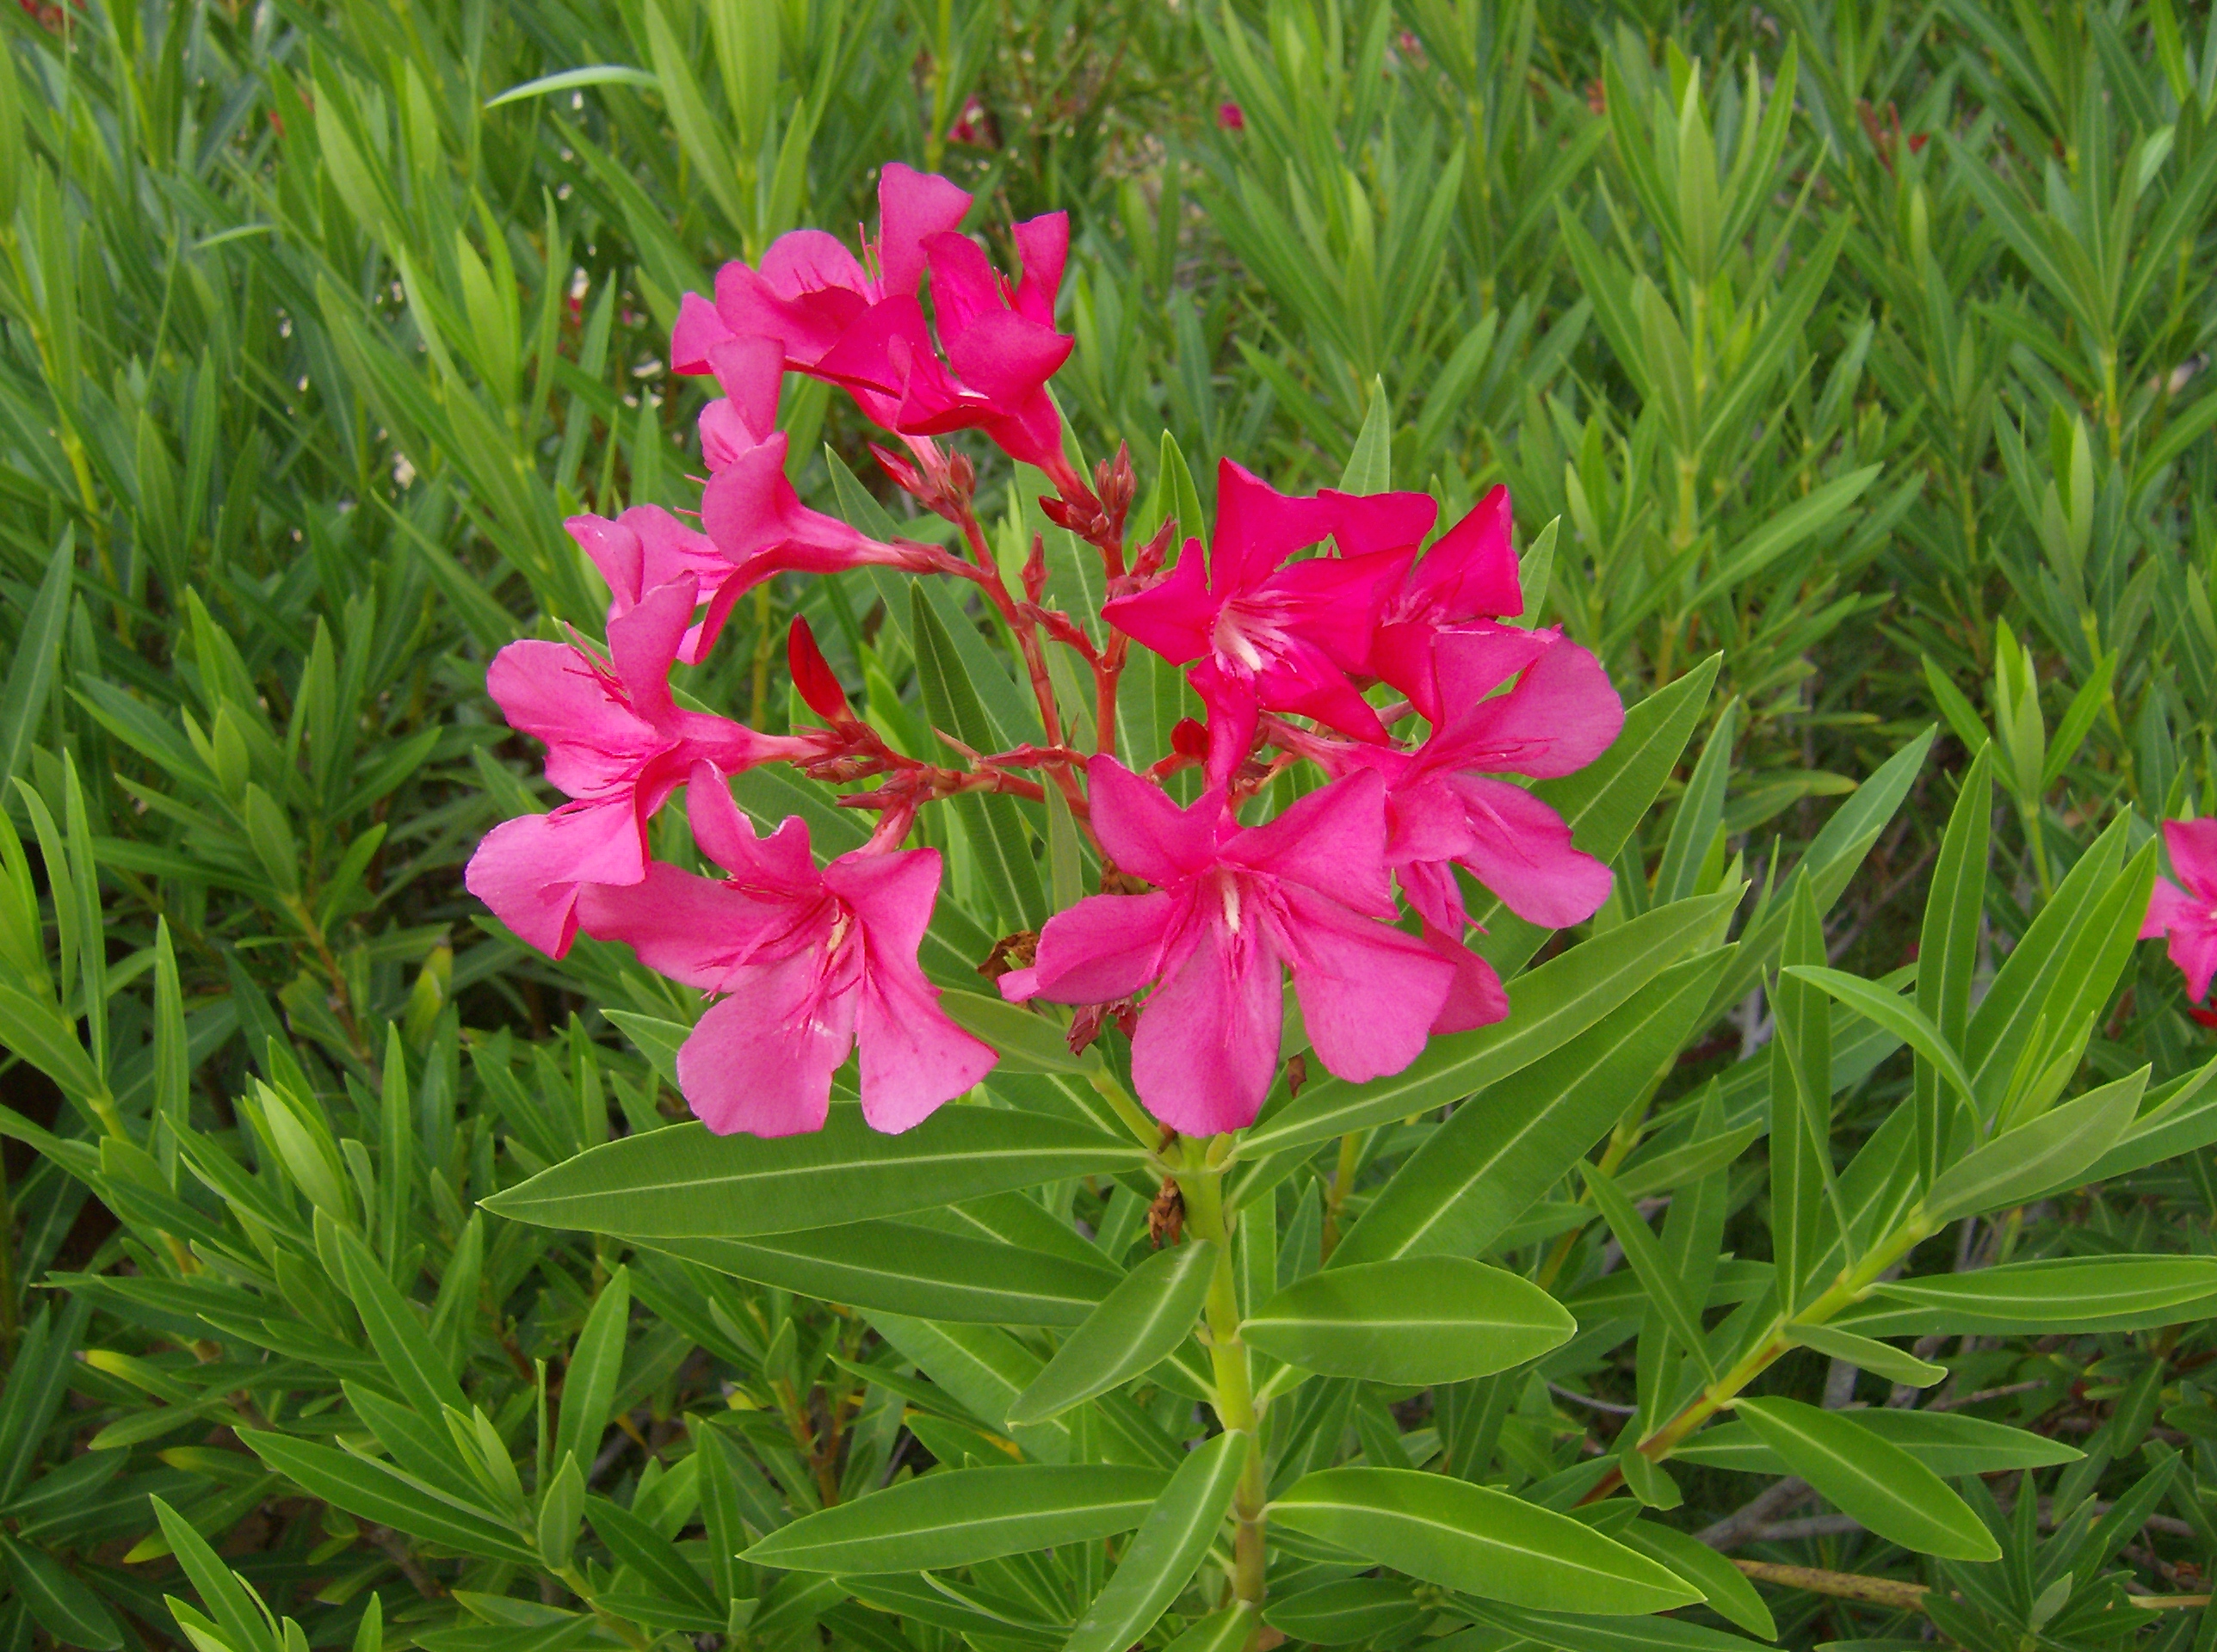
(1201, 1187)
(1849, 1288)
(1343, 1181)
(1148, 1133)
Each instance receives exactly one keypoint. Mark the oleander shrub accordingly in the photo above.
(883, 825)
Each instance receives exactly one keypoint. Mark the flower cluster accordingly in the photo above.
(2187, 917)
(1332, 639)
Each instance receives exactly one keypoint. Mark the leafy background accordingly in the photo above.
(1864, 346)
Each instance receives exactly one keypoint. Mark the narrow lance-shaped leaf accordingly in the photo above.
(1948, 947)
(589, 1384)
(2047, 1153)
(1415, 1320)
(1646, 1255)
(1149, 1313)
(1875, 1482)
(958, 1517)
(1472, 1538)
(1170, 1546)
(684, 1182)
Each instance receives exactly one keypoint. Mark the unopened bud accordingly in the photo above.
(812, 675)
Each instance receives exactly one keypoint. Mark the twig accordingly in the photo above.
(1752, 1519)
(1588, 1401)
(1906, 1597)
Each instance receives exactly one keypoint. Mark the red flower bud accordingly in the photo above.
(813, 676)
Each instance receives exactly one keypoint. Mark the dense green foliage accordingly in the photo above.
(1863, 347)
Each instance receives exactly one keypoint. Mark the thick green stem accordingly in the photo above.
(1201, 1187)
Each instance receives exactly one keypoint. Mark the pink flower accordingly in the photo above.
(1469, 572)
(1232, 117)
(1271, 634)
(1308, 892)
(837, 319)
(813, 961)
(618, 745)
(756, 527)
(1443, 808)
(2187, 915)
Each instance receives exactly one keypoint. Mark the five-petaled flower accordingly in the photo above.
(617, 745)
(1232, 906)
(2186, 915)
(813, 961)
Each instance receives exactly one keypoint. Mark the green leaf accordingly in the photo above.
(654, 1556)
(1339, 1614)
(1148, 1314)
(1502, 1150)
(63, 1608)
(372, 1491)
(903, 1268)
(1700, 812)
(685, 1182)
(1896, 1014)
(1880, 1359)
(2052, 1151)
(598, 74)
(1370, 465)
(1547, 1007)
(1573, 1632)
(1413, 1320)
(237, 1610)
(1947, 947)
(958, 1517)
(1472, 1538)
(1945, 1442)
(562, 1505)
(410, 1362)
(1645, 1254)
(1871, 1479)
(38, 652)
(1027, 1042)
(1166, 1550)
(2064, 1294)
(1730, 1595)
(589, 1384)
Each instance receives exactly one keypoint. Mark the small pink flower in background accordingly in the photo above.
(2187, 915)
(1272, 634)
(1232, 117)
(972, 126)
(617, 745)
(814, 961)
(859, 323)
(1233, 905)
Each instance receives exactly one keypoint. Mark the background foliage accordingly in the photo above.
(1863, 345)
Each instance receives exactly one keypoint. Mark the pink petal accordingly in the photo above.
(2193, 847)
(964, 288)
(1257, 527)
(779, 864)
(1332, 599)
(1370, 993)
(1143, 829)
(1043, 245)
(698, 329)
(1520, 849)
(1476, 998)
(1560, 716)
(892, 896)
(1175, 616)
(1332, 840)
(913, 1058)
(613, 550)
(750, 371)
(1005, 358)
(1451, 672)
(644, 643)
(809, 291)
(1434, 895)
(1471, 569)
(1208, 1040)
(1235, 710)
(742, 505)
(1032, 434)
(528, 869)
(1106, 947)
(888, 347)
(1365, 523)
(2193, 949)
(912, 206)
(554, 693)
(695, 930)
(1302, 679)
(761, 1061)
(2168, 905)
